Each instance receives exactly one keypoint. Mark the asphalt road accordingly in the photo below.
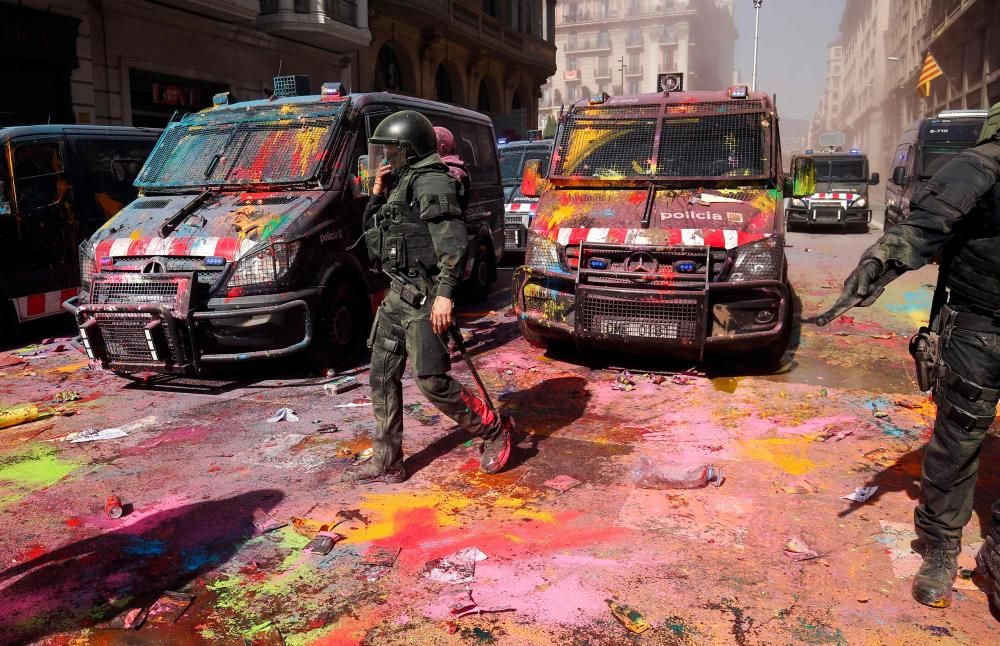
(773, 556)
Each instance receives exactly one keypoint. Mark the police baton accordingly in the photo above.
(456, 336)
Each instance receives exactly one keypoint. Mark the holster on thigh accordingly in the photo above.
(387, 336)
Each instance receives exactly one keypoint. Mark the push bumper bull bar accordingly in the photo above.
(163, 315)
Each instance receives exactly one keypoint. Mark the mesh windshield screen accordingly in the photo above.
(725, 145)
(609, 149)
(249, 145)
(696, 140)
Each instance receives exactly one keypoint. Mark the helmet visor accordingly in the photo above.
(382, 154)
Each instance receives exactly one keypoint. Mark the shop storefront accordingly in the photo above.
(37, 57)
(155, 97)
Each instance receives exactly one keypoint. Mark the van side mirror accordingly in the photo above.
(899, 175)
(803, 177)
(531, 181)
(361, 183)
(874, 179)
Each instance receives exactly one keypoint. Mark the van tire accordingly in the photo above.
(481, 280)
(10, 329)
(771, 357)
(534, 340)
(341, 327)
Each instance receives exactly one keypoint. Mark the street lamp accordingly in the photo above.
(756, 24)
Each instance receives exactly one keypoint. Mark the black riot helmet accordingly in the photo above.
(411, 131)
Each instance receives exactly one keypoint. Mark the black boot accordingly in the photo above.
(933, 581)
(370, 473)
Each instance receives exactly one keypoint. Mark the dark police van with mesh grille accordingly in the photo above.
(659, 228)
(924, 147)
(841, 197)
(519, 209)
(241, 244)
(58, 184)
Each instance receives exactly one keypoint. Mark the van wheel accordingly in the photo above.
(482, 274)
(341, 327)
(9, 327)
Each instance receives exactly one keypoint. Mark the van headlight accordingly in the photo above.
(542, 253)
(265, 268)
(860, 203)
(799, 203)
(761, 260)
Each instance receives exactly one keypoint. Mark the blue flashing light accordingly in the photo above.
(502, 140)
(686, 267)
(215, 261)
(809, 151)
(222, 98)
(855, 151)
(597, 263)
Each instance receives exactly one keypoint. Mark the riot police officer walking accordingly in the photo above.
(956, 212)
(417, 236)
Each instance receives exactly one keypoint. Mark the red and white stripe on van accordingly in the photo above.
(36, 306)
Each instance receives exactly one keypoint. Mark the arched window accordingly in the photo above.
(483, 103)
(388, 75)
(442, 86)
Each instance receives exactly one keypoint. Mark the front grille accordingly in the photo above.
(151, 204)
(124, 336)
(658, 263)
(512, 239)
(513, 218)
(827, 214)
(133, 292)
(270, 200)
(635, 316)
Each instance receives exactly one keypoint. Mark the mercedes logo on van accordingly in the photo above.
(154, 266)
(641, 263)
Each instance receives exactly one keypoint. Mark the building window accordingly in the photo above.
(387, 72)
(634, 36)
(667, 61)
(633, 62)
(492, 8)
(603, 71)
(572, 63)
(633, 7)
(514, 14)
(603, 39)
(534, 22)
(268, 6)
(602, 9)
(442, 86)
(633, 87)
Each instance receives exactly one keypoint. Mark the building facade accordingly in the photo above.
(885, 45)
(620, 46)
(826, 117)
(489, 56)
(136, 62)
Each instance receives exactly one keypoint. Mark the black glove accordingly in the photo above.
(860, 290)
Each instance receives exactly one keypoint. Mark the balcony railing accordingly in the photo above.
(602, 73)
(633, 70)
(634, 40)
(587, 44)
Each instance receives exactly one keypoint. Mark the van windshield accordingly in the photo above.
(513, 160)
(944, 139)
(255, 144)
(841, 170)
(691, 145)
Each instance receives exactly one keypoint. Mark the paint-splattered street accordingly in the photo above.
(775, 555)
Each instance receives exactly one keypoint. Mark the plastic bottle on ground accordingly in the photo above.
(649, 474)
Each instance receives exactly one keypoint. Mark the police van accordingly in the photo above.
(58, 184)
(841, 197)
(519, 208)
(242, 243)
(924, 148)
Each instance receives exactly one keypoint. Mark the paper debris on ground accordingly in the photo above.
(310, 528)
(861, 494)
(265, 522)
(459, 567)
(629, 617)
(562, 483)
(283, 415)
(169, 607)
(797, 550)
(341, 385)
(92, 434)
(624, 381)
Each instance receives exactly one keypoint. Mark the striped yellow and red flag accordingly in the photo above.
(930, 72)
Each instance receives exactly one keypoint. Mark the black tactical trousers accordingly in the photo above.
(951, 463)
(401, 330)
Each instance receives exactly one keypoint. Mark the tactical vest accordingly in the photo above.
(974, 260)
(408, 247)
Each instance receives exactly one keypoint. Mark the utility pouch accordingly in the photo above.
(411, 295)
(394, 253)
(924, 350)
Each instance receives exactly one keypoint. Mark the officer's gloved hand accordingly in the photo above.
(859, 290)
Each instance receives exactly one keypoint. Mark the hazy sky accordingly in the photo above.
(791, 59)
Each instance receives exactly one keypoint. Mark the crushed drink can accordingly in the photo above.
(113, 507)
